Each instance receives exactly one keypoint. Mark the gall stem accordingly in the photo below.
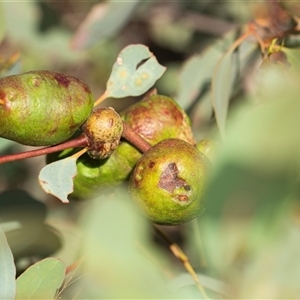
(134, 138)
(128, 133)
(80, 141)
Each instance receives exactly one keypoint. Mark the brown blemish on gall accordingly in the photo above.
(182, 197)
(2, 97)
(35, 81)
(65, 81)
(169, 179)
(53, 131)
(3, 100)
(137, 182)
(151, 164)
(62, 79)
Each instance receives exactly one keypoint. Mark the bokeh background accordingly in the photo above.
(246, 242)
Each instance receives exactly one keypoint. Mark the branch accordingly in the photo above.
(134, 138)
(80, 141)
(128, 133)
(179, 254)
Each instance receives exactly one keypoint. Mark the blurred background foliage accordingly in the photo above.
(246, 242)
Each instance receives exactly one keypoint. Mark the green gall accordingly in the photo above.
(155, 118)
(168, 182)
(41, 108)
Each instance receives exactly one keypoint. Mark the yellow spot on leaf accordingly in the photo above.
(144, 75)
(138, 82)
(110, 83)
(123, 74)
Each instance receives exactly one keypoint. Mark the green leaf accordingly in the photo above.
(292, 57)
(198, 70)
(42, 280)
(103, 21)
(172, 35)
(249, 226)
(23, 30)
(222, 83)
(225, 71)
(117, 252)
(7, 270)
(134, 72)
(4, 143)
(202, 114)
(57, 178)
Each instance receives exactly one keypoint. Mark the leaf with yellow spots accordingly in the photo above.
(134, 72)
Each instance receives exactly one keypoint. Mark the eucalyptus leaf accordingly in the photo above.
(103, 21)
(292, 57)
(249, 228)
(222, 83)
(57, 178)
(195, 73)
(5, 143)
(198, 70)
(22, 27)
(276, 268)
(22, 23)
(42, 280)
(8, 270)
(117, 260)
(134, 72)
(202, 114)
(226, 71)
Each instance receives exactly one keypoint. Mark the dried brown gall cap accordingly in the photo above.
(103, 129)
(41, 108)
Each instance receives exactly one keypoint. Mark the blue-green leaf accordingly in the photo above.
(4, 143)
(7, 270)
(23, 31)
(134, 72)
(202, 115)
(224, 75)
(42, 280)
(103, 21)
(222, 83)
(57, 178)
(198, 70)
(249, 228)
(115, 265)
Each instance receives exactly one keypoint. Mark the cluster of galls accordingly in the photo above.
(166, 182)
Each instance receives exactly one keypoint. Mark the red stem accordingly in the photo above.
(128, 133)
(80, 141)
(134, 138)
